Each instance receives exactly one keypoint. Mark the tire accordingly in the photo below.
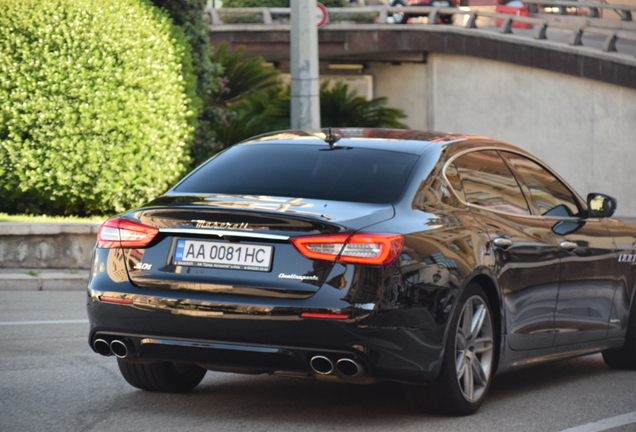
(446, 19)
(467, 367)
(165, 377)
(400, 17)
(625, 357)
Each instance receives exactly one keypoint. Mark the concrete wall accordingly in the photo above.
(47, 245)
(584, 129)
(407, 87)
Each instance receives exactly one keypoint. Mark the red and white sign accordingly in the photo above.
(321, 14)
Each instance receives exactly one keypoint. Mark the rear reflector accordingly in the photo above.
(323, 315)
(124, 233)
(115, 300)
(373, 249)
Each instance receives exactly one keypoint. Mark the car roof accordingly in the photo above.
(401, 140)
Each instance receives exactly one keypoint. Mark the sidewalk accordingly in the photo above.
(43, 279)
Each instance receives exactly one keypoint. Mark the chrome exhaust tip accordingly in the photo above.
(102, 347)
(119, 348)
(321, 365)
(349, 368)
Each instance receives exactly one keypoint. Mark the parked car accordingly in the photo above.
(402, 17)
(361, 255)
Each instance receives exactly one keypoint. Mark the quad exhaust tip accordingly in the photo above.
(119, 348)
(349, 368)
(102, 347)
(321, 365)
(344, 367)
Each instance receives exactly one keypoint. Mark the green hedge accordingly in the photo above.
(97, 105)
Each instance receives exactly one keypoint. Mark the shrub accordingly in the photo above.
(97, 105)
(367, 18)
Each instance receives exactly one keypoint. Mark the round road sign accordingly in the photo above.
(321, 14)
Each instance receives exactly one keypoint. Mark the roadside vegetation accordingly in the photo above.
(104, 106)
(98, 105)
(253, 100)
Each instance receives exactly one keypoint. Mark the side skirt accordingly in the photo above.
(513, 360)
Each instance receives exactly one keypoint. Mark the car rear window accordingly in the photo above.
(304, 171)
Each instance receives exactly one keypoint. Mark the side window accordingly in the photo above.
(547, 194)
(488, 182)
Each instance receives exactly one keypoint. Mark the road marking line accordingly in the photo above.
(605, 424)
(76, 321)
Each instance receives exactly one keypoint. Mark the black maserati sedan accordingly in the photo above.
(361, 255)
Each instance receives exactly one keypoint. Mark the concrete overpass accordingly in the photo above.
(574, 106)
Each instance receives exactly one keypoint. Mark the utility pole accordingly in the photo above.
(305, 95)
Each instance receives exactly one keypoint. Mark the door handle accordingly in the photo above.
(502, 243)
(568, 245)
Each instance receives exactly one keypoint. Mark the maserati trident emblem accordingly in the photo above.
(221, 225)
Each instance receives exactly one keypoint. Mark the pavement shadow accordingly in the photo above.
(545, 376)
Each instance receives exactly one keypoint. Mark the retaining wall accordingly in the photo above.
(47, 245)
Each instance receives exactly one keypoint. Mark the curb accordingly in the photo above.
(43, 280)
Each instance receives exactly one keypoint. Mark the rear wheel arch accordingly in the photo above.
(468, 361)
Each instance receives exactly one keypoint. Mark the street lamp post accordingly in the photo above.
(305, 96)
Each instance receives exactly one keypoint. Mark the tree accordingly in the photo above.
(340, 107)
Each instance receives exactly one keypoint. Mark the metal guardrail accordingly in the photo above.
(625, 11)
(539, 25)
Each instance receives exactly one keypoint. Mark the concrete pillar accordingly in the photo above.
(305, 90)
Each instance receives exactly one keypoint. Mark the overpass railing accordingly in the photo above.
(624, 11)
(539, 25)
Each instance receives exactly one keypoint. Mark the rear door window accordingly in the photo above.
(488, 182)
(304, 171)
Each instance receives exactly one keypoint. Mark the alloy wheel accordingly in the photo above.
(474, 348)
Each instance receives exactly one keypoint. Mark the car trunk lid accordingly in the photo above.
(240, 244)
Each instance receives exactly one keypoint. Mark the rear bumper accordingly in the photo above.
(262, 338)
(395, 331)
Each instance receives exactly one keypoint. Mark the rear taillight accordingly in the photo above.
(373, 249)
(124, 233)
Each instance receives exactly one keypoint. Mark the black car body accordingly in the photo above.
(387, 255)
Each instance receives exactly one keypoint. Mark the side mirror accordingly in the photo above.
(600, 205)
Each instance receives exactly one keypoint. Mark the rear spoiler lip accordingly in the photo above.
(222, 233)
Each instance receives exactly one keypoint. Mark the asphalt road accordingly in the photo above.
(50, 380)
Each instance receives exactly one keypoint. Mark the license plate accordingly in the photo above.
(440, 3)
(233, 256)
